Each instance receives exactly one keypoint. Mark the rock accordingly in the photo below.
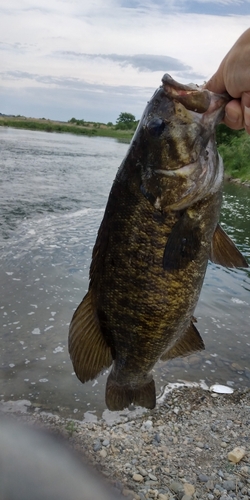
(223, 444)
(189, 489)
(147, 425)
(236, 454)
(138, 478)
(106, 442)
(103, 453)
(203, 478)
(157, 437)
(229, 485)
(152, 477)
(142, 471)
(176, 487)
(97, 445)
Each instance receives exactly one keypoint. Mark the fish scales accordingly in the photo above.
(149, 261)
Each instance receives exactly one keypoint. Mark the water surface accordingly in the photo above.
(53, 193)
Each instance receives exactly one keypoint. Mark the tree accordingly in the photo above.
(125, 121)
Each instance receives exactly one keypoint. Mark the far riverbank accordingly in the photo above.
(233, 146)
(88, 128)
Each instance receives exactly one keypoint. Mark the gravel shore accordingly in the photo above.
(179, 451)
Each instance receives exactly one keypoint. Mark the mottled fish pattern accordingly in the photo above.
(159, 229)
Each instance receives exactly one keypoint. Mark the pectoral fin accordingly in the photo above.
(224, 251)
(182, 246)
(189, 343)
(87, 347)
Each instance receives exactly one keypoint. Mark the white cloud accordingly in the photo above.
(114, 45)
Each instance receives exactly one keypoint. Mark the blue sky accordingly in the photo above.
(94, 59)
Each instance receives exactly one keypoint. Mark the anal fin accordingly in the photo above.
(224, 251)
(119, 397)
(88, 349)
(190, 342)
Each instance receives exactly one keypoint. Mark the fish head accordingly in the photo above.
(179, 160)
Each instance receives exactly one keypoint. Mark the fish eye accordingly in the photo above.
(156, 127)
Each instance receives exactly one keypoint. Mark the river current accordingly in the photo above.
(54, 190)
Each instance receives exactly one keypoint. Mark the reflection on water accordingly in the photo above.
(54, 189)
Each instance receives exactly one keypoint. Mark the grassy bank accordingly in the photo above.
(89, 128)
(234, 146)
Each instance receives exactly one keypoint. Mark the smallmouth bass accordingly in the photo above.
(159, 229)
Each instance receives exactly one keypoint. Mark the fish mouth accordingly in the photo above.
(193, 97)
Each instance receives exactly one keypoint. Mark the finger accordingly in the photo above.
(245, 105)
(216, 83)
(234, 117)
(247, 119)
(245, 99)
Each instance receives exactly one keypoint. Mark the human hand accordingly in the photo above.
(233, 76)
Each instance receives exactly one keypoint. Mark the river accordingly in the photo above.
(53, 193)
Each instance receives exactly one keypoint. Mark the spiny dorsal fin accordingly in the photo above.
(224, 251)
(189, 343)
(87, 347)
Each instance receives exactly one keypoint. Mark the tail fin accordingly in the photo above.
(119, 397)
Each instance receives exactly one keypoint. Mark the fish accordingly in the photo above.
(159, 229)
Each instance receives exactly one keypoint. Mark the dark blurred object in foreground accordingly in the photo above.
(35, 465)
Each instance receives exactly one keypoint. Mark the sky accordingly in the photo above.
(93, 59)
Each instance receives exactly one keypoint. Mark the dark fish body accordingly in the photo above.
(159, 229)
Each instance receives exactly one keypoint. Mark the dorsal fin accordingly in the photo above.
(88, 349)
(190, 342)
(224, 251)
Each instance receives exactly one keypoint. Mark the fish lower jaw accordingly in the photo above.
(185, 171)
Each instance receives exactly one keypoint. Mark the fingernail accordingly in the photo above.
(232, 116)
(247, 116)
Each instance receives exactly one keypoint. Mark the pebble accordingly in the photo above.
(152, 477)
(176, 487)
(223, 444)
(138, 478)
(203, 478)
(106, 442)
(147, 425)
(97, 445)
(189, 489)
(229, 485)
(103, 453)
